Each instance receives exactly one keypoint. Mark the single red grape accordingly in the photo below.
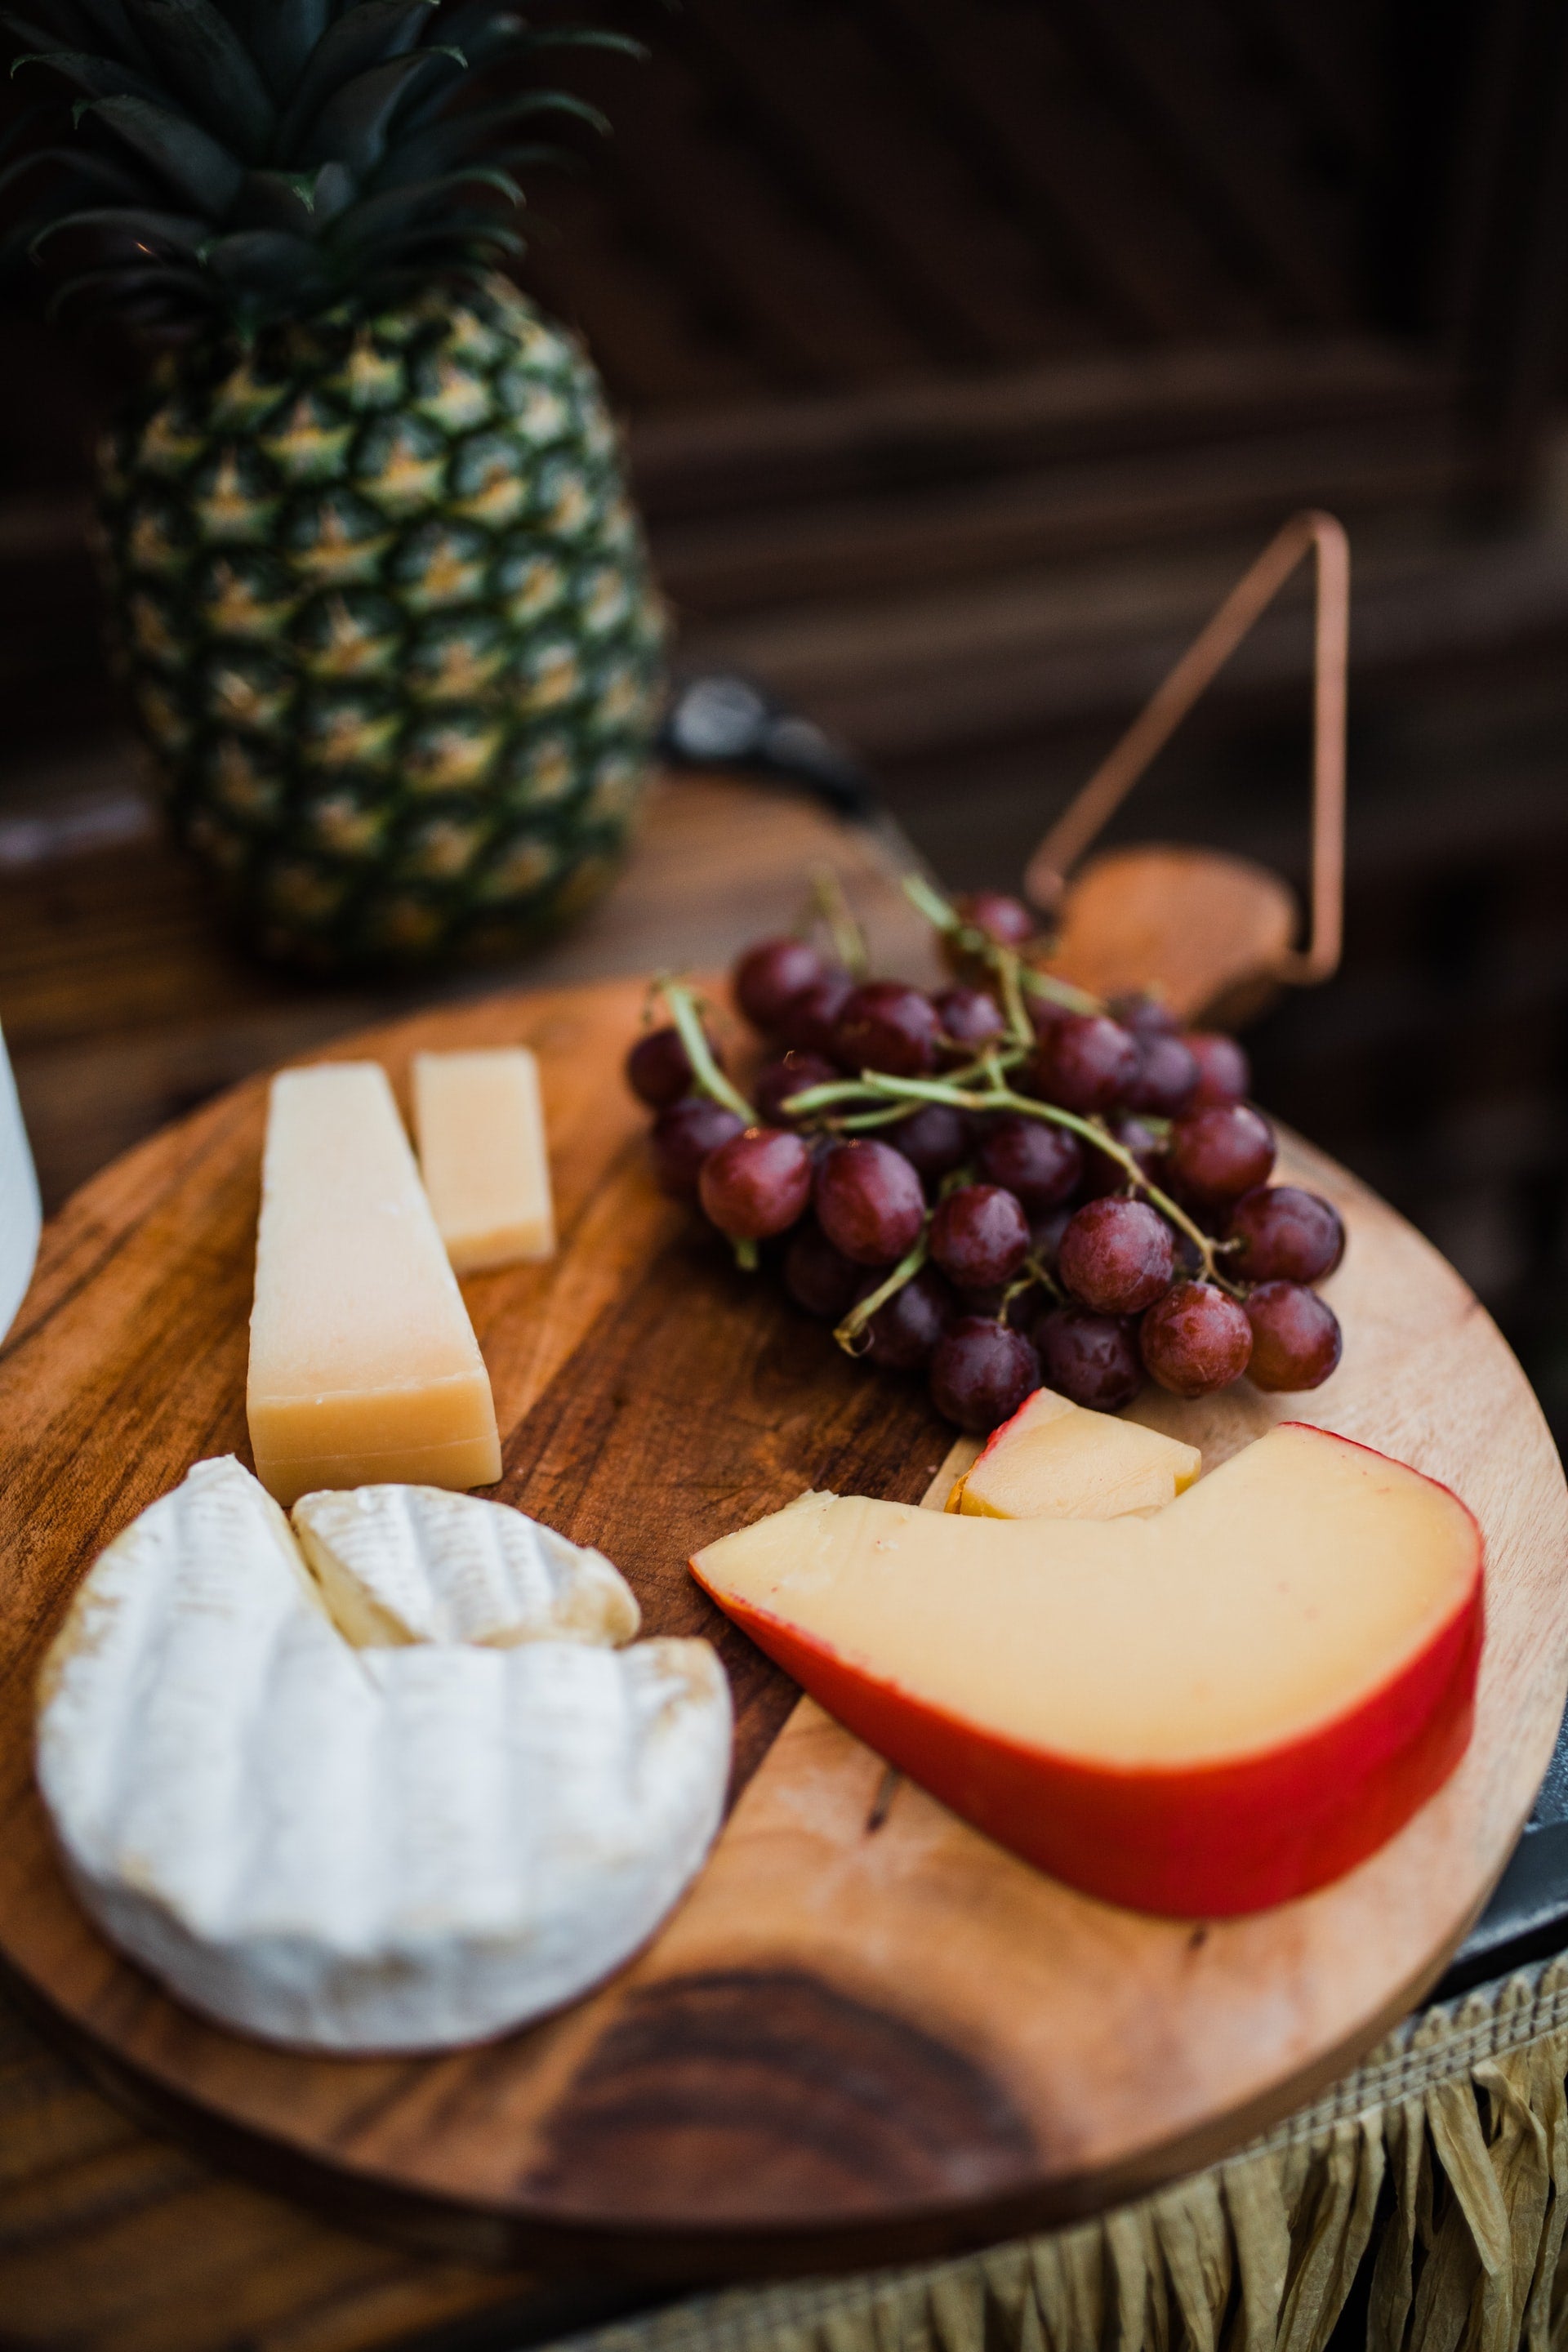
(680, 1140)
(1296, 1339)
(1004, 919)
(1001, 916)
(1117, 1257)
(809, 1020)
(1103, 1175)
(981, 1374)
(1167, 1078)
(756, 1184)
(1085, 1062)
(887, 1025)
(903, 1333)
(934, 1139)
(658, 1068)
(1219, 1152)
(820, 1277)
(1090, 1358)
(1041, 1163)
(1196, 1340)
(1224, 1073)
(1145, 1015)
(979, 1236)
(1286, 1235)
(770, 976)
(790, 1075)
(868, 1201)
(969, 1018)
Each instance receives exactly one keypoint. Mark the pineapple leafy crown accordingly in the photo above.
(250, 160)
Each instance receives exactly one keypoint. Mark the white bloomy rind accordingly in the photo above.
(358, 1849)
(423, 1564)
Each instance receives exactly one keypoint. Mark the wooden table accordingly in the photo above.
(122, 1006)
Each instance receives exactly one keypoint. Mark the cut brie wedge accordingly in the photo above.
(423, 1564)
(366, 1848)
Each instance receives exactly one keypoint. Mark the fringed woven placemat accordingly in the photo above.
(1451, 2141)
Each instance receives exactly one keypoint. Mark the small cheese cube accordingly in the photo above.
(481, 1128)
(364, 1363)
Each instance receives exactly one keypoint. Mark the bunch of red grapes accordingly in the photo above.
(999, 1183)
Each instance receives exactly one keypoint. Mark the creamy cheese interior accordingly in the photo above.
(1270, 1598)
(364, 1363)
(1056, 1460)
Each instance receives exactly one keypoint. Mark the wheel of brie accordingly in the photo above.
(393, 1790)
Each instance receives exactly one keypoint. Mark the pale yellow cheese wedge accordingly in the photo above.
(479, 1124)
(1055, 1461)
(364, 1363)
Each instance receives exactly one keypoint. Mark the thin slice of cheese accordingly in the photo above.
(364, 1363)
(1055, 1460)
(480, 1125)
(402, 1564)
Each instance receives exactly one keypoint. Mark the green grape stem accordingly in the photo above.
(1030, 1275)
(879, 1085)
(680, 1002)
(865, 1121)
(1052, 991)
(1009, 967)
(1015, 977)
(832, 908)
(813, 1099)
(907, 1266)
(927, 901)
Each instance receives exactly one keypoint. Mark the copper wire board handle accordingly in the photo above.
(1045, 879)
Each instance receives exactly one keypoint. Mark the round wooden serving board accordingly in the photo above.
(868, 2031)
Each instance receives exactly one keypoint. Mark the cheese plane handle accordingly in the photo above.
(1311, 532)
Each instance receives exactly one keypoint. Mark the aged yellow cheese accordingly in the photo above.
(364, 1363)
(481, 1128)
(1054, 1460)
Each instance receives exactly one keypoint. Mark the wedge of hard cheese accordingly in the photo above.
(480, 1125)
(1206, 1711)
(364, 1363)
(1053, 1460)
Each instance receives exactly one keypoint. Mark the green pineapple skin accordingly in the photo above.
(387, 625)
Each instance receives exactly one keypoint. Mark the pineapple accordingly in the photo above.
(381, 603)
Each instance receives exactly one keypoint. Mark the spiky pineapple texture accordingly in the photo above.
(382, 604)
(386, 620)
(259, 159)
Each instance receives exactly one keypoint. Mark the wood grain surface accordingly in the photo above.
(1205, 930)
(125, 1007)
(868, 2030)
